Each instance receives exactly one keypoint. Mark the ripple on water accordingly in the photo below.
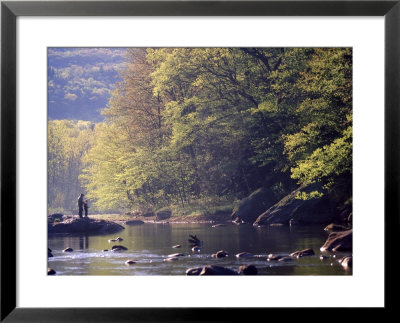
(147, 245)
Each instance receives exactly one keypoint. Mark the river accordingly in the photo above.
(150, 243)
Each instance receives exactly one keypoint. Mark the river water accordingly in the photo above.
(150, 243)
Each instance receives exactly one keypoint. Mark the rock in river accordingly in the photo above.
(51, 271)
(346, 262)
(116, 239)
(244, 255)
(272, 257)
(219, 225)
(118, 248)
(339, 241)
(194, 271)
(247, 270)
(130, 262)
(84, 225)
(169, 259)
(220, 254)
(55, 217)
(134, 222)
(216, 270)
(302, 253)
(285, 259)
(176, 255)
(68, 249)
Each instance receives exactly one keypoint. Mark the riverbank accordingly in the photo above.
(219, 217)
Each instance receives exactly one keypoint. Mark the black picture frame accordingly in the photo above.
(10, 10)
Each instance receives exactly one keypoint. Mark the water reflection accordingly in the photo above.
(149, 244)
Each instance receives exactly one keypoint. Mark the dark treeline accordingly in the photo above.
(191, 124)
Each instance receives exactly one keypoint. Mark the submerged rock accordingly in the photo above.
(169, 259)
(220, 254)
(285, 259)
(116, 239)
(177, 246)
(244, 255)
(118, 248)
(176, 255)
(272, 257)
(218, 225)
(84, 225)
(302, 253)
(339, 241)
(130, 262)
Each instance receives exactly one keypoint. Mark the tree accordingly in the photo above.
(188, 123)
(68, 142)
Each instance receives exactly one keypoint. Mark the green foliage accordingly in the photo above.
(68, 143)
(327, 162)
(188, 124)
(307, 196)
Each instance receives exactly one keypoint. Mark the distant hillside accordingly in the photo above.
(80, 81)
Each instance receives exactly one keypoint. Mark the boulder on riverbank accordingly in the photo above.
(292, 210)
(134, 222)
(252, 206)
(84, 225)
(339, 241)
(163, 215)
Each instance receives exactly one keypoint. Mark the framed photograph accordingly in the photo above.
(168, 139)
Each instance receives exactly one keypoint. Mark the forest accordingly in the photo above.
(186, 126)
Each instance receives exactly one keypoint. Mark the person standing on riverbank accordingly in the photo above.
(80, 204)
(86, 207)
